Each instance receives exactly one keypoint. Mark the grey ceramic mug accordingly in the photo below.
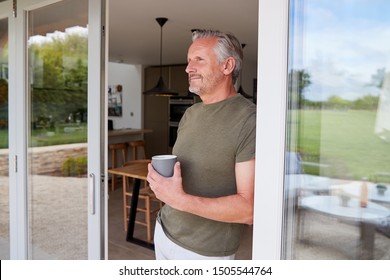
(164, 164)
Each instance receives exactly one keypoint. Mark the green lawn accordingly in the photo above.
(345, 141)
(3, 138)
(64, 134)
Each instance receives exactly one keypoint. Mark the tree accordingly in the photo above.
(298, 80)
(60, 76)
(3, 103)
(378, 78)
(3, 92)
(336, 102)
(368, 102)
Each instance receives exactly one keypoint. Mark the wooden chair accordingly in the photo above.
(149, 203)
(122, 147)
(136, 145)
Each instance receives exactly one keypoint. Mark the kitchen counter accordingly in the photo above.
(127, 131)
(124, 136)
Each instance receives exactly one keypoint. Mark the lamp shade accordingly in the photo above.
(161, 89)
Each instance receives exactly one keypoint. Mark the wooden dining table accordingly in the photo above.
(138, 171)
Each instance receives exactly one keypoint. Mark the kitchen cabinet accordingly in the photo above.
(156, 118)
(156, 108)
(174, 76)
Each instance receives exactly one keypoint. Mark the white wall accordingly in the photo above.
(130, 77)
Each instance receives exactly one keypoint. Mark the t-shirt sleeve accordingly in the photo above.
(246, 147)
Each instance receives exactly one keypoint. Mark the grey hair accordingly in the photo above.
(227, 46)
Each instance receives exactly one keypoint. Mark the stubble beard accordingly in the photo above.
(196, 90)
(206, 86)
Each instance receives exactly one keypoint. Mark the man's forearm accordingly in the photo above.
(233, 208)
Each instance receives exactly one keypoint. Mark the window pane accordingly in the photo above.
(337, 182)
(4, 194)
(57, 183)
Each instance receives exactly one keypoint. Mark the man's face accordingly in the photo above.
(204, 71)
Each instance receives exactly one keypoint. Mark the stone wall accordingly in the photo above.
(47, 160)
(4, 162)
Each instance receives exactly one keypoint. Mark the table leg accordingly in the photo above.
(367, 239)
(124, 190)
(132, 215)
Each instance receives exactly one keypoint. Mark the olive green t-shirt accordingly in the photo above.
(211, 139)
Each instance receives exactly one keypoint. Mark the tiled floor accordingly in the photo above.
(120, 249)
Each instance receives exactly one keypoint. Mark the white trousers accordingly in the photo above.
(165, 249)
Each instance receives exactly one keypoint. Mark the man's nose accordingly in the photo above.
(189, 68)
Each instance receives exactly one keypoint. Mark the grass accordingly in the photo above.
(345, 141)
(47, 137)
(60, 135)
(3, 138)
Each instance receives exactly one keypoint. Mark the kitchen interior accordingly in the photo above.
(141, 51)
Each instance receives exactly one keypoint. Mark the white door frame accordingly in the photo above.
(97, 128)
(271, 128)
(18, 135)
(16, 214)
(18, 127)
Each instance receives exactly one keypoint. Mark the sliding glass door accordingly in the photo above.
(56, 201)
(57, 49)
(4, 151)
(338, 130)
(322, 175)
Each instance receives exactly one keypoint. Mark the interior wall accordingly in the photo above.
(249, 73)
(130, 77)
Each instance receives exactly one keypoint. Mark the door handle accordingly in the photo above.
(91, 193)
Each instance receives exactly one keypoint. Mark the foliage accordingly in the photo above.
(75, 166)
(60, 76)
(3, 91)
(298, 80)
(336, 102)
(367, 102)
(378, 78)
(3, 104)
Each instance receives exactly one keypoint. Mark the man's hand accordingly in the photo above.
(167, 189)
(235, 208)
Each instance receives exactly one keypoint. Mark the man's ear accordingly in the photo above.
(229, 65)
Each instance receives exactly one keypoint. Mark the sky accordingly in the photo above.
(38, 39)
(341, 44)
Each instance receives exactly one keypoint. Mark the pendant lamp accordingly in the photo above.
(160, 89)
(240, 89)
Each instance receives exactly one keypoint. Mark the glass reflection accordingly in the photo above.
(337, 165)
(4, 189)
(57, 183)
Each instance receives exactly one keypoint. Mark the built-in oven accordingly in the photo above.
(177, 106)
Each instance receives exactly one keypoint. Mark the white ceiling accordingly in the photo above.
(134, 34)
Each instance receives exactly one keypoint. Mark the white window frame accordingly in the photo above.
(271, 128)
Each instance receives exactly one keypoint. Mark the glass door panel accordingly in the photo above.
(57, 139)
(337, 181)
(4, 152)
